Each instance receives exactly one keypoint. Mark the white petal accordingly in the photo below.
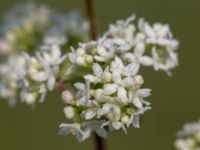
(146, 61)
(56, 53)
(122, 94)
(64, 129)
(132, 69)
(162, 30)
(43, 92)
(139, 49)
(127, 82)
(117, 64)
(97, 69)
(80, 86)
(102, 51)
(91, 78)
(47, 57)
(136, 121)
(109, 89)
(144, 92)
(40, 76)
(129, 57)
(117, 125)
(72, 56)
(101, 132)
(137, 103)
(116, 76)
(105, 109)
(116, 112)
(51, 83)
(149, 31)
(90, 114)
(99, 58)
(80, 60)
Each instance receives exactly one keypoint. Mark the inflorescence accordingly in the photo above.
(44, 50)
(189, 137)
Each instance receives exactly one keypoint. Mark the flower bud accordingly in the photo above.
(69, 112)
(125, 119)
(89, 59)
(107, 77)
(67, 97)
(98, 94)
(138, 80)
(30, 98)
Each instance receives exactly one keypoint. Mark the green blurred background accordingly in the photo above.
(175, 100)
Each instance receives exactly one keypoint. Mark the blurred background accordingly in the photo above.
(175, 100)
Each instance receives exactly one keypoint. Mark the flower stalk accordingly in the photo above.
(99, 142)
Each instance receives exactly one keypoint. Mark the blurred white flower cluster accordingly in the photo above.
(105, 90)
(33, 44)
(189, 137)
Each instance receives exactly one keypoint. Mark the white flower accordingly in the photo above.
(52, 54)
(74, 129)
(80, 57)
(169, 61)
(95, 126)
(164, 45)
(109, 92)
(138, 56)
(188, 137)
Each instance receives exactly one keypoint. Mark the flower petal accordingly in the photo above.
(97, 69)
(132, 69)
(51, 83)
(137, 103)
(90, 114)
(109, 89)
(122, 94)
(146, 61)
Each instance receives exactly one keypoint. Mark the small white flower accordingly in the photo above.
(74, 129)
(69, 112)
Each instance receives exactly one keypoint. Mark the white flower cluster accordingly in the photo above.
(41, 73)
(156, 41)
(9, 74)
(28, 26)
(105, 91)
(32, 48)
(104, 84)
(189, 137)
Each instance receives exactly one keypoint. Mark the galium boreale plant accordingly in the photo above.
(104, 84)
(189, 137)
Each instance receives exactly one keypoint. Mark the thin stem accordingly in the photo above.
(90, 15)
(99, 142)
